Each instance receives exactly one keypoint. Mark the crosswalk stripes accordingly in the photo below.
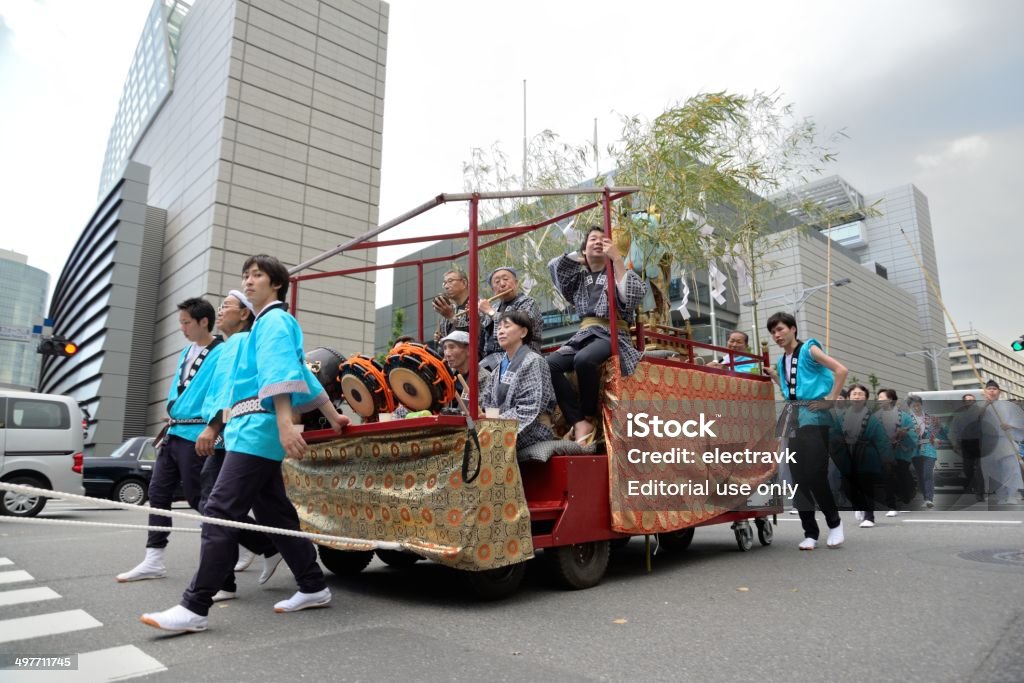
(110, 664)
(23, 628)
(23, 595)
(16, 576)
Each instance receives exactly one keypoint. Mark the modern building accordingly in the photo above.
(258, 124)
(23, 291)
(992, 361)
(888, 233)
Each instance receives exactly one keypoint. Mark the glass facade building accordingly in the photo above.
(23, 291)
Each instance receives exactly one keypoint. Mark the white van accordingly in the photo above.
(41, 442)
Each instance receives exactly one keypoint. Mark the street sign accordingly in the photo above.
(20, 334)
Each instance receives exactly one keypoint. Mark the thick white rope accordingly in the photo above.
(110, 525)
(47, 493)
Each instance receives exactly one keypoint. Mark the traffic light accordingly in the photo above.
(57, 346)
(1018, 343)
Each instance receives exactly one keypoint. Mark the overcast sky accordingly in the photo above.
(925, 90)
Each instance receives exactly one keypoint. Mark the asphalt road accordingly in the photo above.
(909, 600)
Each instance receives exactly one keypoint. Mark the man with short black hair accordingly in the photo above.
(806, 375)
(177, 462)
(270, 381)
(737, 342)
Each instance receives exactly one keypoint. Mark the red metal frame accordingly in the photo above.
(568, 496)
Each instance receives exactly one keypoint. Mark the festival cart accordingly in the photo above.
(451, 490)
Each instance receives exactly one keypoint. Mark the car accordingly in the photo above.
(41, 446)
(124, 474)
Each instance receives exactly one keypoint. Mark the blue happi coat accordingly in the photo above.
(270, 363)
(187, 403)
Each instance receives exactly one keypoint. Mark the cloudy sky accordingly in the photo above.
(925, 91)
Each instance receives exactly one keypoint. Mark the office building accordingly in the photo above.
(258, 125)
(23, 291)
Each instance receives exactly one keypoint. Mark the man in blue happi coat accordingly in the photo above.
(177, 462)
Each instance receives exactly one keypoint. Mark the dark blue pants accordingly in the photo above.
(254, 541)
(248, 482)
(177, 463)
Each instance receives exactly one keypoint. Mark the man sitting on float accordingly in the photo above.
(504, 282)
(737, 343)
(582, 280)
(520, 387)
(456, 355)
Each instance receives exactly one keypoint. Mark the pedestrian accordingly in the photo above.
(234, 320)
(810, 380)
(928, 430)
(1002, 428)
(899, 427)
(965, 438)
(869, 449)
(270, 381)
(177, 463)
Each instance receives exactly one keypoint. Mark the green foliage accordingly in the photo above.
(397, 330)
(874, 382)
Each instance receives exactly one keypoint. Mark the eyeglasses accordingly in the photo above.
(449, 280)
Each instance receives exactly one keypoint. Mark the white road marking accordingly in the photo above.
(961, 521)
(27, 595)
(112, 664)
(15, 576)
(5, 562)
(24, 628)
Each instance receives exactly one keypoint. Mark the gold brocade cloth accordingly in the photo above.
(744, 415)
(406, 486)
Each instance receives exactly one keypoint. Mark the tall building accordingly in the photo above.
(258, 124)
(992, 361)
(887, 232)
(23, 292)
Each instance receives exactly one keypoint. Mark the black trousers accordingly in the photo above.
(248, 482)
(970, 452)
(255, 542)
(899, 484)
(586, 363)
(810, 474)
(176, 463)
(860, 489)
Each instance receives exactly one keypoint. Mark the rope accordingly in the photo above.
(110, 525)
(47, 493)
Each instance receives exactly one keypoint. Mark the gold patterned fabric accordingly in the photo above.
(744, 415)
(406, 486)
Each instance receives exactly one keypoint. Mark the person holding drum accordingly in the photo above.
(504, 282)
(520, 387)
(452, 308)
(581, 277)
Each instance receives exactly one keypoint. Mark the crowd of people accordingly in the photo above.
(881, 455)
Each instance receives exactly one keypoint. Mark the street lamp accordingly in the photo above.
(798, 296)
(932, 353)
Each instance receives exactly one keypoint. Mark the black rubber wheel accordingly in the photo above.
(495, 584)
(619, 543)
(21, 504)
(130, 490)
(399, 559)
(581, 565)
(675, 541)
(765, 531)
(744, 536)
(345, 562)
